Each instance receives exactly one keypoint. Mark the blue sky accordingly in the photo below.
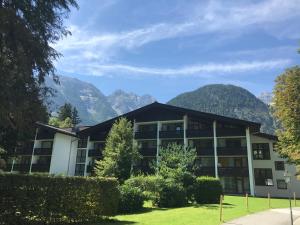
(166, 47)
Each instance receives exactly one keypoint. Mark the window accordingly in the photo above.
(147, 127)
(82, 143)
(263, 177)
(281, 184)
(99, 146)
(279, 165)
(80, 158)
(46, 144)
(198, 125)
(261, 151)
(79, 169)
(172, 127)
(275, 147)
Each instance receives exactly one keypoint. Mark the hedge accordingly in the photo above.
(54, 199)
(207, 190)
(131, 199)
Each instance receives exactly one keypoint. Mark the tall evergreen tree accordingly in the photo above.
(65, 111)
(287, 112)
(75, 117)
(120, 153)
(27, 30)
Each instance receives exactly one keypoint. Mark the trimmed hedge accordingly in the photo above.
(172, 195)
(54, 199)
(207, 190)
(131, 199)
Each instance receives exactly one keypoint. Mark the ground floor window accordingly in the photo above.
(263, 177)
(235, 185)
(281, 184)
(80, 162)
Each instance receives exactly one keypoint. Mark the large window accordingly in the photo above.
(281, 184)
(82, 143)
(261, 151)
(263, 177)
(198, 125)
(46, 144)
(279, 165)
(80, 162)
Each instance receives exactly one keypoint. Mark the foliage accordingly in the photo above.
(54, 121)
(227, 100)
(174, 160)
(131, 199)
(171, 194)
(207, 190)
(75, 117)
(68, 112)
(28, 29)
(149, 185)
(287, 112)
(56, 199)
(65, 111)
(120, 152)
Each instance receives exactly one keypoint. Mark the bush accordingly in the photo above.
(171, 194)
(55, 199)
(149, 185)
(131, 199)
(207, 190)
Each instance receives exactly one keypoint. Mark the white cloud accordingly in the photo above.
(201, 70)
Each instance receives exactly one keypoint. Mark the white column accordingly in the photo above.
(36, 132)
(185, 141)
(86, 155)
(12, 166)
(157, 141)
(215, 148)
(250, 161)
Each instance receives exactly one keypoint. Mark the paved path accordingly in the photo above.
(270, 217)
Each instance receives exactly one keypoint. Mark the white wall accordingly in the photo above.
(61, 157)
(273, 190)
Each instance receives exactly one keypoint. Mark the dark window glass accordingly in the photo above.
(261, 151)
(80, 158)
(232, 143)
(82, 143)
(279, 165)
(99, 146)
(172, 127)
(79, 169)
(263, 177)
(147, 127)
(281, 184)
(198, 125)
(46, 144)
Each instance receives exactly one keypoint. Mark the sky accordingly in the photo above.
(167, 47)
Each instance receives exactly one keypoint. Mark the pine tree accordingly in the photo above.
(120, 152)
(65, 111)
(75, 117)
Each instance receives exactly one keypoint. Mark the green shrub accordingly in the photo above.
(207, 190)
(56, 199)
(149, 185)
(131, 199)
(172, 194)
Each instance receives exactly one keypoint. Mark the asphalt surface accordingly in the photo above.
(270, 217)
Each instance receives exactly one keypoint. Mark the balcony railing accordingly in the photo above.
(95, 153)
(145, 135)
(24, 151)
(205, 171)
(42, 151)
(40, 167)
(148, 151)
(224, 132)
(171, 134)
(233, 171)
(199, 133)
(205, 151)
(23, 168)
(232, 150)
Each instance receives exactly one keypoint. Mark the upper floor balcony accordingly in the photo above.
(238, 150)
(171, 134)
(43, 151)
(223, 171)
(199, 133)
(226, 132)
(145, 135)
(95, 153)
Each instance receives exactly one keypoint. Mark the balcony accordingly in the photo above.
(40, 167)
(225, 132)
(232, 150)
(148, 151)
(233, 171)
(199, 133)
(95, 153)
(24, 151)
(42, 151)
(145, 135)
(22, 167)
(205, 171)
(171, 134)
(98, 137)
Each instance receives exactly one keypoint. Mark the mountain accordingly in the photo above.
(91, 104)
(266, 97)
(123, 102)
(227, 100)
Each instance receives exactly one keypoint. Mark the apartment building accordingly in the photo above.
(231, 149)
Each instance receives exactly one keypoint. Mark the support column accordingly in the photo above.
(36, 132)
(86, 155)
(157, 141)
(215, 148)
(185, 141)
(250, 162)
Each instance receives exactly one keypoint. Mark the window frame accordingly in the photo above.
(261, 153)
(281, 180)
(276, 165)
(262, 181)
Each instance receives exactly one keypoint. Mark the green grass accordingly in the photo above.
(234, 207)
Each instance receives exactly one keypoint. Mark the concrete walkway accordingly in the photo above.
(270, 217)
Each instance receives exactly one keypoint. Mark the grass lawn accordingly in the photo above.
(234, 207)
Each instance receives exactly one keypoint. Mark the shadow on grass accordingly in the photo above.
(213, 206)
(145, 210)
